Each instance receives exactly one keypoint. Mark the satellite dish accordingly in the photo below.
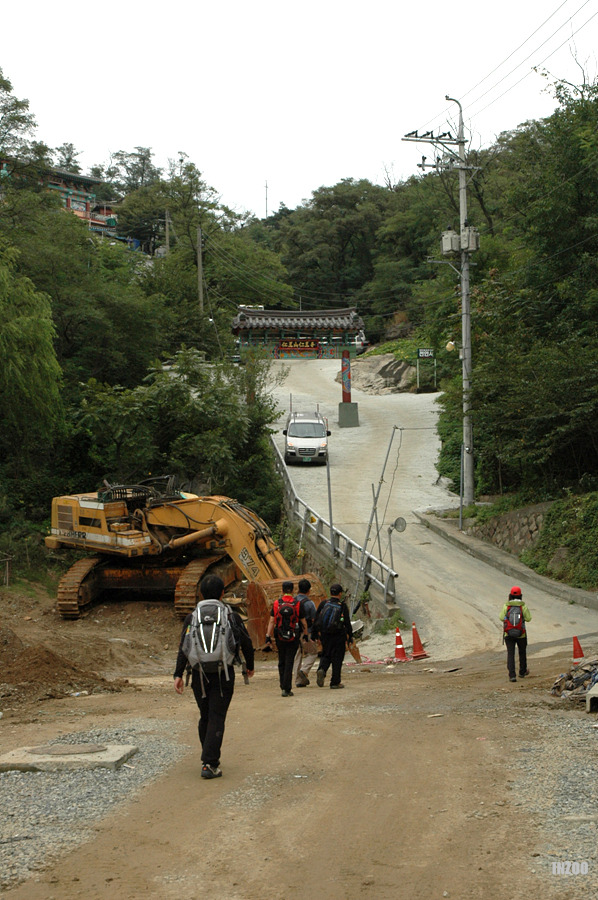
(399, 524)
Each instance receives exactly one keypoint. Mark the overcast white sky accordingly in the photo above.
(295, 96)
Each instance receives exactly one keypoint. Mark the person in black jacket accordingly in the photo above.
(332, 626)
(212, 690)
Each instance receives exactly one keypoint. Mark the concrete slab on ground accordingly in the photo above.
(60, 757)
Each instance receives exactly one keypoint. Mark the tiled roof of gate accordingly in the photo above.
(345, 319)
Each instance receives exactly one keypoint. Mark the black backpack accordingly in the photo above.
(332, 620)
(286, 614)
(514, 623)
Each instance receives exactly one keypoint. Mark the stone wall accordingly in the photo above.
(513, 531)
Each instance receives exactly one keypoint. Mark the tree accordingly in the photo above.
(535, 308)
(66, 158)
(207, 424)
(17, 124)
(105, 327)
(130, 171)
(328, 244)
(142, 217)
(30, 405)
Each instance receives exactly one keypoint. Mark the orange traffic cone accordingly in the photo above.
(400, 655)
(578, 654)
(418, 648)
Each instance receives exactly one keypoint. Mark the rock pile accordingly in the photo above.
(575, 684)
(384, 374)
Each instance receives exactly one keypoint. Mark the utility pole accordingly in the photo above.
(466, 242)
(199, 271)
(266, 199)
(468, 468)
(167, 232)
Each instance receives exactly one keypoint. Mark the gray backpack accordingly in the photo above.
(210, 643)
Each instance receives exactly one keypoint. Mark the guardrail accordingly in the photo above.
(367, 568)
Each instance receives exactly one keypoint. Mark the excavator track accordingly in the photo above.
(76, 588)
(186, 594)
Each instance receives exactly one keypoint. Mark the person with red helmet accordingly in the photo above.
(514, 615)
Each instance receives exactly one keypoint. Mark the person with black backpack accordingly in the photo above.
(212, 636)
(514, 615)
(332, 626)
(287, 624)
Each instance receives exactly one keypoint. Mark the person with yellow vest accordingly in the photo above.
(514, 616)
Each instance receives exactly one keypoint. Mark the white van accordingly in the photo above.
(306, 438)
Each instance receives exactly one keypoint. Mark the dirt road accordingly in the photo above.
(406, 784)
(425, 780)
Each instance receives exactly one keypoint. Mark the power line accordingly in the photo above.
(541, 63)
(516, 50)
(443, 114)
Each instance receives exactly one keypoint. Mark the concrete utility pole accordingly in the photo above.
(468, 468)
(199, 271)
(464, 243)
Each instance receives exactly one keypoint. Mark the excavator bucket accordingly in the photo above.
(261, 596)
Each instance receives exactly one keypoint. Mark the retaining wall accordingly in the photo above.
(513, 531)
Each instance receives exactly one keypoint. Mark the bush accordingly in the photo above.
(384, 626)
(571, 526)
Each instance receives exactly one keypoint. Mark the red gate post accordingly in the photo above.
(348, 415)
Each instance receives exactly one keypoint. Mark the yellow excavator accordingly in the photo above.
(152, 538)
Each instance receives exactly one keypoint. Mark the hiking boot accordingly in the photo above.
(288, 694)
(336, 686)
(523, 674)
(302, 680)
(512, 678)
(211, 772)
(320, 676)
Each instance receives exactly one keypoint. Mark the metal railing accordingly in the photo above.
(366, 567)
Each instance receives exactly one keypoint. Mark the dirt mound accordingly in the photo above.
(43, 656)
(39, 673)
(10, 647)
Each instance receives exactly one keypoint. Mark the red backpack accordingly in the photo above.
(286, 616)
(514, 623)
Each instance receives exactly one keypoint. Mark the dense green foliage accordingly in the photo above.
(567, 548)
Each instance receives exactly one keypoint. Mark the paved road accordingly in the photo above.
(454, 598)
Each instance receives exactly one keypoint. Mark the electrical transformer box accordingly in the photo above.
(470, 238)
(450, 242)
